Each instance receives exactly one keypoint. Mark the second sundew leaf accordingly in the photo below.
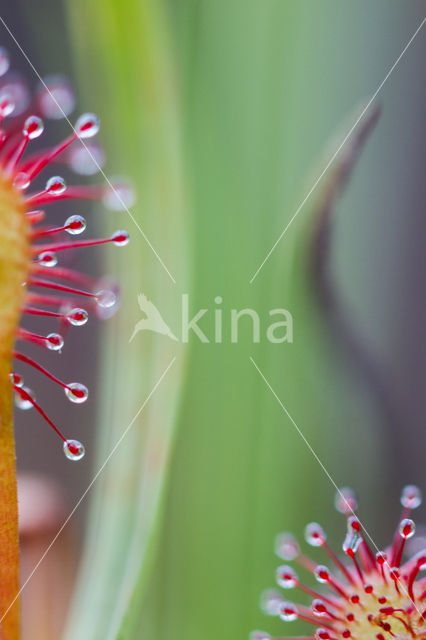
(136, 98)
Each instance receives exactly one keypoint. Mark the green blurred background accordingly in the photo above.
(223, 114)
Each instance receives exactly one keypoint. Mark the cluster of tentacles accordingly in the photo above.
(374, 596)
(54, 291)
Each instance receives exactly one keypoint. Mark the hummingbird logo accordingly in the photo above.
(153, 320)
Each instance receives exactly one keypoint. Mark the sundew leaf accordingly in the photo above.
(131, 83)
(240, 471)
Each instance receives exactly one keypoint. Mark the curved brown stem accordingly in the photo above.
(373, 373)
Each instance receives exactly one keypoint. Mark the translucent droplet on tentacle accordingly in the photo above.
(286, 546)
(56, 186)
(87, 125)
(76, 392)
(411, 497)
(24, 403)
(75, 225)
(33, 127)
(322, 573)
(4, 61)
(107, 284)
(351, 542)
(120, 238)
(7, 105)
(315, 535)
(318, 607)
(286, 577)
(86, 160)
(106, 298)
(74, 450)
(56, 97)
(77, 317)
(407, 528)
(19, 94)
(36, 215)
(120, 196)
(47, 259)
(16, 379)
(21, 181)
(271, 601)
(288, 612)
(345, 500)
(54, 341)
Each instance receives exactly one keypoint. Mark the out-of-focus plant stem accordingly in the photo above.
(131, 83)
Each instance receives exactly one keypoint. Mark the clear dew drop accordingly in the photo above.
(56, 97)
(19, 94)
(351, 542)
(286, 577)
(7, 105)
(106, 298)
(21, 181)
(76, 392)
(407, 528)
(286, 546)
(119, 196)
(87, 125)
(33, 127)
(47, 259)
(77, 317)
(315, 535)
(322, 574)
(75, 225)
(288, 612)
(4, 61)
(23, 403)
(270, 602)
(16, 379)
(345, 500)
(411, 497)
(318, 607)
(54, 341)
(87, 160)
(74, 450)
(120, 238)
(56, 185)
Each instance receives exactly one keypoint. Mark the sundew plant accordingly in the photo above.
(169, 404)
(34, 284)
(376, 596)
